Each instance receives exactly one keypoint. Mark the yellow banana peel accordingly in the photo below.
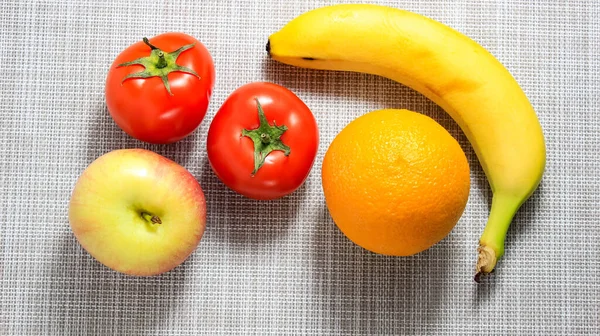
(449, 68)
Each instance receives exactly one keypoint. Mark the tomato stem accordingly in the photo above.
(266, 139)
(159, 64)
(145, 39)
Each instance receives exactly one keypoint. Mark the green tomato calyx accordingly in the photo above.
(159, 64)
(266, 138)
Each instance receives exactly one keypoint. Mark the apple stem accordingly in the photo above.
(151, 218)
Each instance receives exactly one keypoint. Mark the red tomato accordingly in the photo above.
(235, 141)
(158, 91)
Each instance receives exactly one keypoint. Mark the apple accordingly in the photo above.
(137, 212)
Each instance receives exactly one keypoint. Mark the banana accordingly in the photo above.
(449, 68)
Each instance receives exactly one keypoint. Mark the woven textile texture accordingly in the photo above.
(282, 267)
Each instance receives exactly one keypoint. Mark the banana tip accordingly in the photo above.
(486, 262)
(268, 47)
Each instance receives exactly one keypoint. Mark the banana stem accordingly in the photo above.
(491, 243)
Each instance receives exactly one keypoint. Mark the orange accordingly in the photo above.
(395, 182)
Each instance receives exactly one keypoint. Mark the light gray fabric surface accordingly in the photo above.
(283, 267)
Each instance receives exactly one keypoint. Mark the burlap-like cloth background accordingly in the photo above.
(282, 267)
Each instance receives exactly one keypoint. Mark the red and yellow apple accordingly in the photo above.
(137, 212)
